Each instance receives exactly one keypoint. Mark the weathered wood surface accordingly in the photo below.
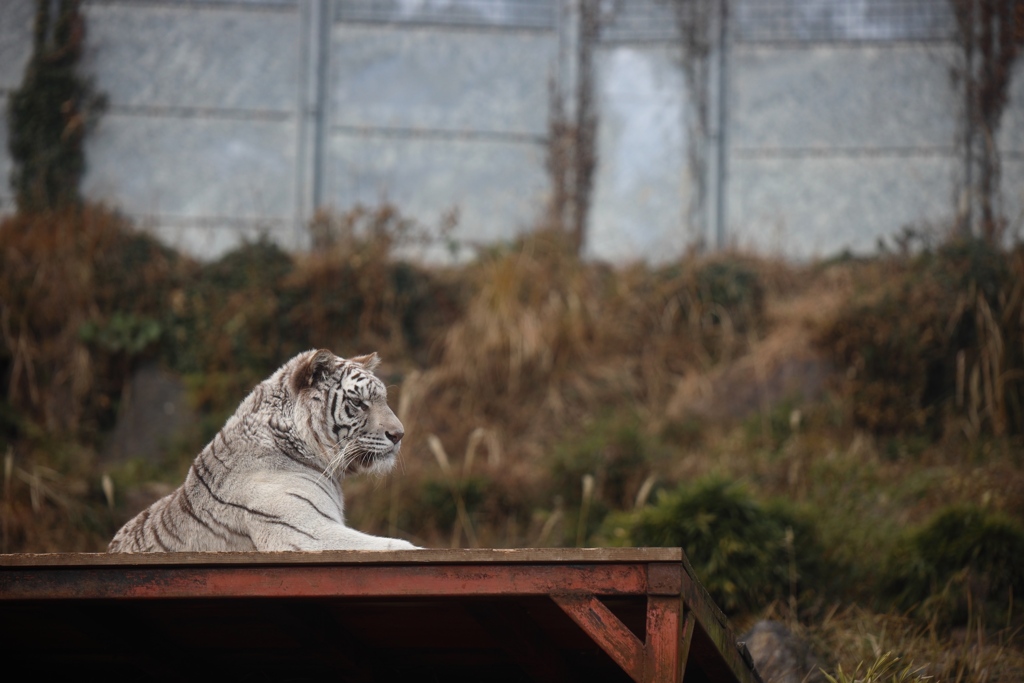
(642, 607)
(456, 556)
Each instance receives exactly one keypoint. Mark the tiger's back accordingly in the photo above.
(271, 478)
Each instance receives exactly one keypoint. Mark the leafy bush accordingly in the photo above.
(614, 451)
(707, 309)
(229, 318)
(258, 305)
(498, 505)
(936, 341)
(616, 456)
(731, 288)
(770, 429)
(122, 333)
(744, 554)
(85, 297)
(963, 558)
(356, 294)
(437, 503)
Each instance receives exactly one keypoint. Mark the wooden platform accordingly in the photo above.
(431, 615)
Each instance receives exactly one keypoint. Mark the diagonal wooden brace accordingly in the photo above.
(598, 622)
(661, 659)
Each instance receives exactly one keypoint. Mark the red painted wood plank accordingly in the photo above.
(607, 631)
(714, 627)
(663, 659)
(320, 581)
(335, 557)
(664, 578)
(686, 637)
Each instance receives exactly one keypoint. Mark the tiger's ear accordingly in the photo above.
(369, 361)
(312, 370)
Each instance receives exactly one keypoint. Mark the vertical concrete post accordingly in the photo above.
(566, 75)
(718, 117)
(313, 107)
(574, 118)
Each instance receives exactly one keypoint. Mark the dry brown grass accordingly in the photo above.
(932, 343)
(857, 637)
(545, 346)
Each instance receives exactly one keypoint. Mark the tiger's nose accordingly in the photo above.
(395, 435)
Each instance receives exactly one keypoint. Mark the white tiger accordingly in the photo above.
(271, 478)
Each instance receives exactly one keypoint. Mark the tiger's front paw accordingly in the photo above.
(399, 544)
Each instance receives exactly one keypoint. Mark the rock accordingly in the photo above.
(781, 656)
(154, 411)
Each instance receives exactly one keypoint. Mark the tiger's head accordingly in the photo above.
(343, 408)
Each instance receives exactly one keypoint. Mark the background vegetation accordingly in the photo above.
(838, 445)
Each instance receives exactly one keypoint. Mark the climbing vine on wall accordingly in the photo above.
(49, 115)
(572, 142)
(990, 34)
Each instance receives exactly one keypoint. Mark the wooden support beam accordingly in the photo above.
(460, 556)
(361, 580)
(686, 638)
(716, 637)
(663, 660)
(598, 622)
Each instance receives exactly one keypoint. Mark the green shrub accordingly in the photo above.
(123, 333)
(86, 297)
(347, 298)
(770, 429)
(229, 318)
(731, 288)
(615, 452)
(964, 558)
(936, 341)
(90, 297)
(746, 555)
(706, 309)
(437, 503)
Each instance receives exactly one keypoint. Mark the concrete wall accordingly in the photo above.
(833, 147)
(435, 118)
(216, 128)
(201, 138)
(643, 187)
